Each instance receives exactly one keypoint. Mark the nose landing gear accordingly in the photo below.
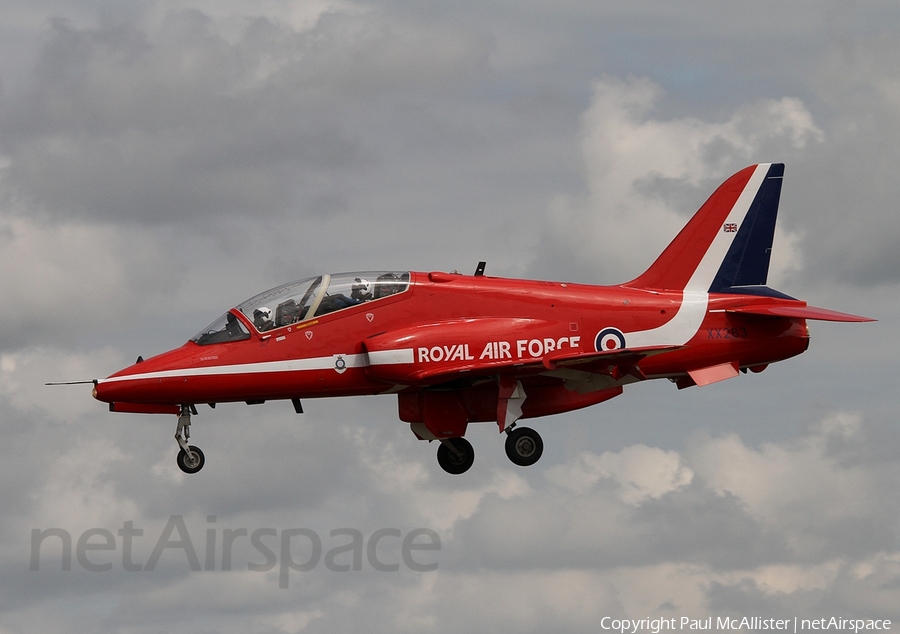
(190, 459)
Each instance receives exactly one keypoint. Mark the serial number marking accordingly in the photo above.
(726, 333)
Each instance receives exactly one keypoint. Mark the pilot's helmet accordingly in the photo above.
(360, 286)
(263, 313)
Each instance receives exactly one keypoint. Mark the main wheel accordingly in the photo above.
(453, 463)
(192, 463)
(524, 446)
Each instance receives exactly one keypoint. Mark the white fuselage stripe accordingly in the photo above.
(391, 357)
(385, 357)
(687, 321)
(678, 330)
(706, 271)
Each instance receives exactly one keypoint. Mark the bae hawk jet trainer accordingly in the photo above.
(459, 349)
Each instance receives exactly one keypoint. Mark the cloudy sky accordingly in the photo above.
(161, 161)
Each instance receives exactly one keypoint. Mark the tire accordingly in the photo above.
(452, 463)
(524, 446)
(182, 460)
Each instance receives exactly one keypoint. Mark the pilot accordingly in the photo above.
(360, 290)
(262, 319)
(387, 284)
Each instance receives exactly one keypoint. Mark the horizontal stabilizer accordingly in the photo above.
(798, 312)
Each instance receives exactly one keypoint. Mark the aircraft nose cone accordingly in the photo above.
(154, 380)
(124, 385)
(106, 392)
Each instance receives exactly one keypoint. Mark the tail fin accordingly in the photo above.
(726, 246)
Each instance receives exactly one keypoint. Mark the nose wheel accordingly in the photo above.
(190, 462)
(190, 459)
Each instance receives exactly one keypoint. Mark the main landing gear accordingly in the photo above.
(455, 455)
(523, 447)
(190, 459)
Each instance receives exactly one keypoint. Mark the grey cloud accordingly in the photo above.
(118, 127)
(597, 532)
(200, 155)
(843, 195)
(870, 595)
(181, 123)
(351, 463)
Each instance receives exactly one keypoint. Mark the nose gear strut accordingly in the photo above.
(190, 459)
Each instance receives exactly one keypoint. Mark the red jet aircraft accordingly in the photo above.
(459, 349)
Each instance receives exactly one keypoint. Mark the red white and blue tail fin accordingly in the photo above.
(726, 246)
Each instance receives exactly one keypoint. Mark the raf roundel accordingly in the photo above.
(609, 339)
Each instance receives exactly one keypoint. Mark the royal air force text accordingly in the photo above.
(497, 350)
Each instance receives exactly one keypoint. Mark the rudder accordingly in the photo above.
(747, 261)
(727, 244)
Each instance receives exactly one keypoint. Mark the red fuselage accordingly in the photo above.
(456, 329)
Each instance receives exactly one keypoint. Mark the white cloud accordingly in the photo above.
(799, 487)
(640, 472)
(636, 166)
(412, 482)
(717, 522)
(295, 621)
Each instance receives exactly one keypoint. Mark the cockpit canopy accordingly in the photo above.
(302, 300)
